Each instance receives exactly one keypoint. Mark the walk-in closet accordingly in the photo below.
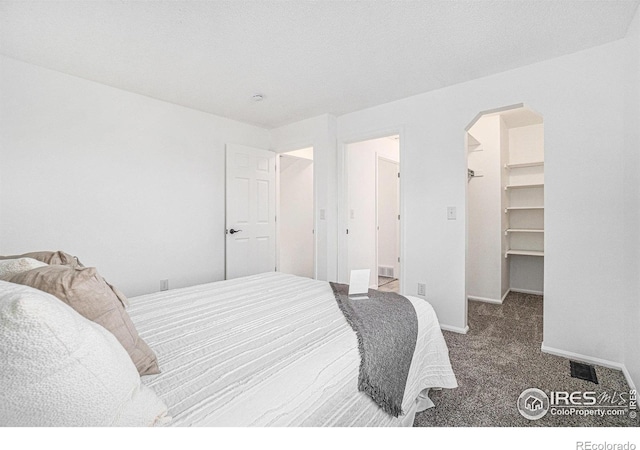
(505, 204)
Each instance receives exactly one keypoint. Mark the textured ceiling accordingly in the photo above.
(305, 57)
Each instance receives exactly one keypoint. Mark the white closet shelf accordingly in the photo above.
(524, 252)
(527, 164)
(523, 230)
(522, 208)
(523, 186)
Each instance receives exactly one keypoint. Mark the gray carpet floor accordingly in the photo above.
(498, 359)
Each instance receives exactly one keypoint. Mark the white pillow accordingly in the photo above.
(60, 369)
(10, 267)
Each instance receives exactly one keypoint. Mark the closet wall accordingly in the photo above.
(486, 268)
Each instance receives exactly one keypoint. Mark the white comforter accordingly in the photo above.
(272, 350)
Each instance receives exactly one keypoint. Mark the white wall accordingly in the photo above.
(526, 274)
(526, 144)
(362, 220)
(295, 217)
(305, 153)
(484, 206)
(131, 185)
(125, 157)
(578, 95)
(631, 215)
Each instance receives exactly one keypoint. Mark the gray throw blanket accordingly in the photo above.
(387, 328)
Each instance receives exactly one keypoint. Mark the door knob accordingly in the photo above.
(232, 231)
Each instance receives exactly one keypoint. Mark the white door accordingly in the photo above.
(388, 216)
(250, 215)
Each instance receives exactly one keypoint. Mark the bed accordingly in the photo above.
(273, 350)
(265, 350)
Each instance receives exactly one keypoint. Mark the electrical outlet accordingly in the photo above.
(422, 289)
(164, 285)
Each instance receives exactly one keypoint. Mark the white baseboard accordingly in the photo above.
(484, 299)
(627, 375)
(505, 295)
(455, 329)
(526, 291)
(590, 360)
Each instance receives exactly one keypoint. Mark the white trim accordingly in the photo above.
(484, 299)
(505, 295)
(581, 358)
(526, 291)
(455, 329)
(590, 360)
(627, 375)
(277, 157)
(493, 111)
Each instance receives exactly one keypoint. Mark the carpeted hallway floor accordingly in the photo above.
(498, 359)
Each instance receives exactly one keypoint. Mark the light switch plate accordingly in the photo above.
(451, 212)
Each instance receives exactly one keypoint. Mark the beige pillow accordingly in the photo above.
(10, 267)
(58, 257)
(85, 290)
(65, 259)
(60, 369)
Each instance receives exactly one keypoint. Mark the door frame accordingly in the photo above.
(278, 215)
(477, 117)
(286, 149)
(343, 199)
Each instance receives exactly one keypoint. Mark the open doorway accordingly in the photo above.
(295, 218)
(505, 204)
(373, 210)
(388, 216)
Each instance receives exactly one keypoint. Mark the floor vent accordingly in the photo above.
(583, 371)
